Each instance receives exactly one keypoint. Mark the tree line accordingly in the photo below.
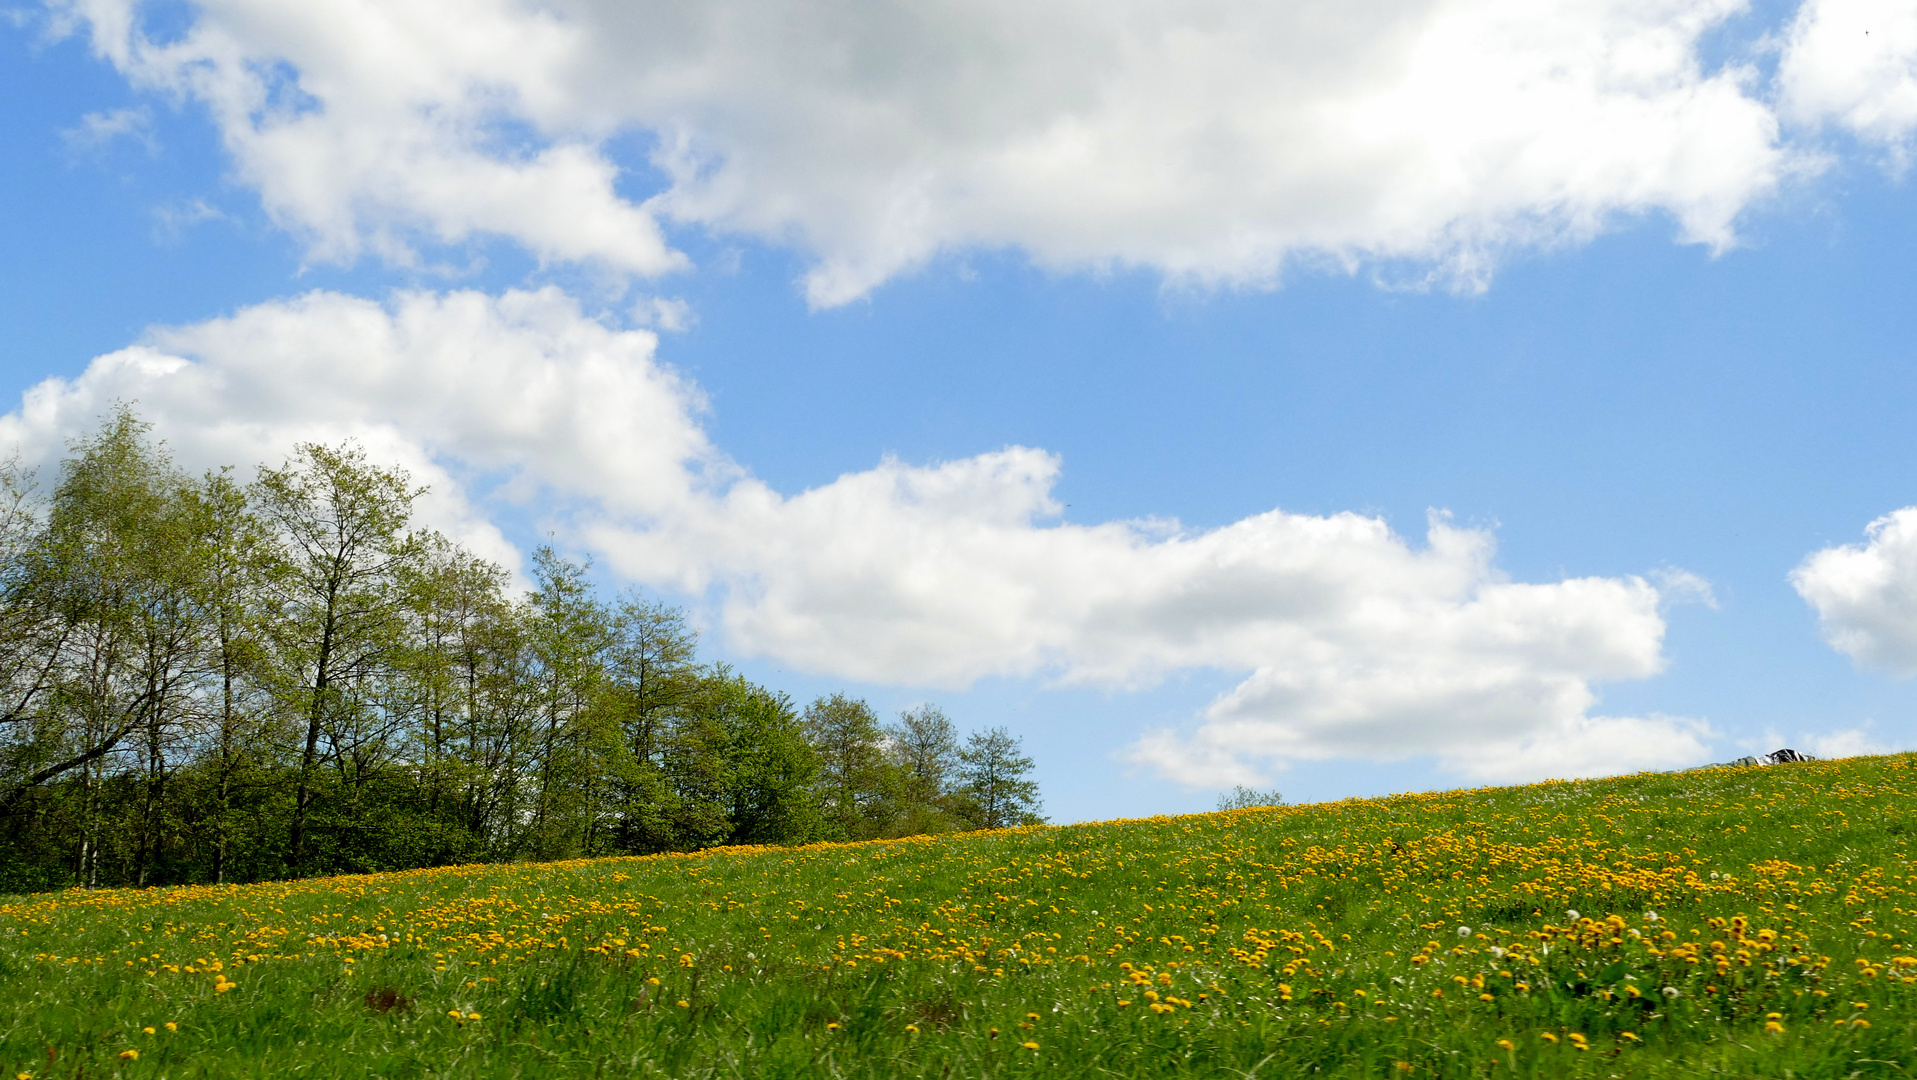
(207, 680)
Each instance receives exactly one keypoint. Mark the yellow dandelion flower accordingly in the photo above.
(147, 1030)
(1507, 1044)
(912, 1029)
(172, 1026)
(1029, 1045)
(130, 1055)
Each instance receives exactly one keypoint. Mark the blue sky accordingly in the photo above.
(1578, 379)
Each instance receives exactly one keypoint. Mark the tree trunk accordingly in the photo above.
(309, 760)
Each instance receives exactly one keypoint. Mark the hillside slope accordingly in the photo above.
(1751, 921)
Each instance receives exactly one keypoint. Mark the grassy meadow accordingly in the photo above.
(1735, 922)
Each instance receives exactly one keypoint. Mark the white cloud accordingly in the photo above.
(474, 395)
(1563, 744)
(670, 314)
(1853, 63)
(1679, 586)
(1193, 763)
(1213, 142)
(1850, 742)
(374, 125)
(174, 221)
(97, 129)
(1352, 642)
(1865, 595)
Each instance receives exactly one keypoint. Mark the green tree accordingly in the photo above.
(570, 638)
(117, 560)
(856, 784)
(769, 795)
(232, 555)
(32, 633)
(656, 692)
(995, 783)
(204, 681)
(338, 604)
(924, 749)
(461, 733)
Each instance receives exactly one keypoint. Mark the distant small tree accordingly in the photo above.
(996, 791)
(1244, 798)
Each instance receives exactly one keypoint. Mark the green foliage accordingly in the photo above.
(204, 681)
(995, 787)
(857, 786)
(1729, 922)
(924, 751)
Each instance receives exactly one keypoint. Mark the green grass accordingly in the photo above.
(1319, 940)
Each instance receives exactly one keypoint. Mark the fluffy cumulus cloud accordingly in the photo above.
(1351, 640)
(1865, 595)
(1853, 64)
(1211, 141)
(419, 382)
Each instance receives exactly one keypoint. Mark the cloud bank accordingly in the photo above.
(1213, 142)
(1351, 641)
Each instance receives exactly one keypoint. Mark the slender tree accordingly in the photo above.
(233, 556)
(924, 749)
(337, 597)
(656, 691)
(996, 783)
(117, 560)
(857, 785)
(570, 638)
(458, 728)
(32, 633)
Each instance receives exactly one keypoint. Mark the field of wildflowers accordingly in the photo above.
(1738, 922)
